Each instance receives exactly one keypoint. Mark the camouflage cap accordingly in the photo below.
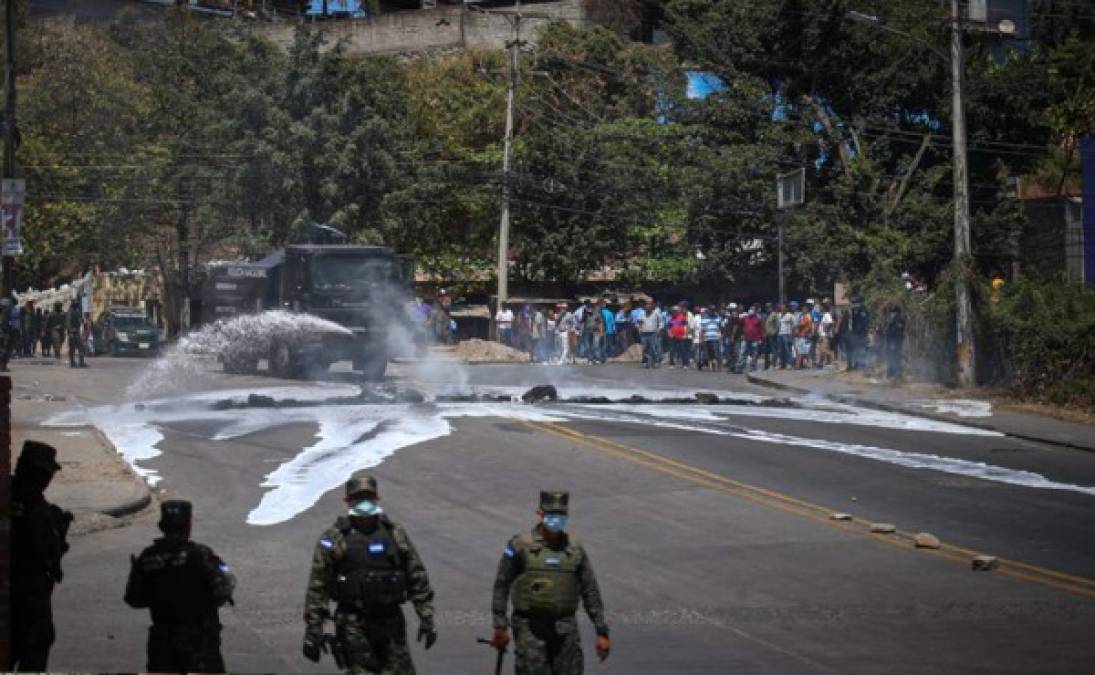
(360, 481)
(37, 455)
(554, 502)
(175, 512)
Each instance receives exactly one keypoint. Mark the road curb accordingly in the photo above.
(132, 506)
(884, 407)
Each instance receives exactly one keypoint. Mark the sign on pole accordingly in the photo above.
(791, 189)
(12, 192)
(1005, 17)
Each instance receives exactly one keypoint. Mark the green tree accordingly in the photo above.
(81, 116)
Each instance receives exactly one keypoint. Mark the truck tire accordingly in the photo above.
(373, 369)
(242, 365)
(283, 361)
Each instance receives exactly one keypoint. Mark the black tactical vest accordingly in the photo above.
(176, 584)
(370, 576)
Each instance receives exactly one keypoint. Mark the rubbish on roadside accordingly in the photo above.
(543, 392)
(984, 563)
(926, 540)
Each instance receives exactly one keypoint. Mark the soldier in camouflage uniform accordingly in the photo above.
(38, 532)
(74, 325)
(368, 567)
(182, 583)
(546, 573)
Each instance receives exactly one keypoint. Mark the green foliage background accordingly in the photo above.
(176, 142)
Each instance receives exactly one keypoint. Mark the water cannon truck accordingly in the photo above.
(363, 289)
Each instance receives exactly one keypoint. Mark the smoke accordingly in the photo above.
(408, 335)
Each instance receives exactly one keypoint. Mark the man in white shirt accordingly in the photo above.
(825, 337)
(566, 329)
(786, 336)
(504, 319)
(650, 329)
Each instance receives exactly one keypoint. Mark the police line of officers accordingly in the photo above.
(364, 565)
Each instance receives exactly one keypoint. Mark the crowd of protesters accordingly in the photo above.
(736, 338)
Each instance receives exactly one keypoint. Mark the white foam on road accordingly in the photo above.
(960, 406)
(299, 483)
(134, 437)
(353, 437)
(358, 437)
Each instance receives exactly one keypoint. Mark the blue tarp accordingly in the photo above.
(702, 84)
(1087, 154)
(335, 7)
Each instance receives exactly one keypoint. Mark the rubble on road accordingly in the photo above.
(984, 563)
(633, 354)
(485, 351)
(543, 392)
(926, 540)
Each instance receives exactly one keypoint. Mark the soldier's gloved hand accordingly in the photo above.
(604, 646)
(426, 630)
(500, 639)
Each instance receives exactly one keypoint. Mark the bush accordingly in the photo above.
(1036, 337)
(1040, 341)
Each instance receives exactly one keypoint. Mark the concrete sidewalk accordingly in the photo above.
(902, 399)
(94, 482)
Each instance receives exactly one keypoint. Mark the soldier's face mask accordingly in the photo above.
(555, 522)
(365, 508)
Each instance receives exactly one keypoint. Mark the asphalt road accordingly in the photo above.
(709, 530)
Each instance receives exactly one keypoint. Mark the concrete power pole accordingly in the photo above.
(9, 124)
(967, 375)
(507, 162)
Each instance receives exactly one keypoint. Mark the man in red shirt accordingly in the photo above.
(752, 337)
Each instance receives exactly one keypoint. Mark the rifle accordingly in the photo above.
(501, 654)
(364, 656)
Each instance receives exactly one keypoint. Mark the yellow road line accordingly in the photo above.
(1037, 574)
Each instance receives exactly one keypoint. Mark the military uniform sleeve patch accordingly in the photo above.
(509, 551)
(326, 543)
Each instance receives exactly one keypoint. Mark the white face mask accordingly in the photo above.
(365, 508)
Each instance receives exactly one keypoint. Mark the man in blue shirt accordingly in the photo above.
(610, 329)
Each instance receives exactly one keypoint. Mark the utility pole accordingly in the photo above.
(514, 47)
(9, 125)
(782, 289)
(964, 335)
(967, 375)
(507, 162)
(183, 232)
(790, 193)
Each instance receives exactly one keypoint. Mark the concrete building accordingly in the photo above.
(443, 27)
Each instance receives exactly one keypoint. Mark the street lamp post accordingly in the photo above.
(964, 335)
